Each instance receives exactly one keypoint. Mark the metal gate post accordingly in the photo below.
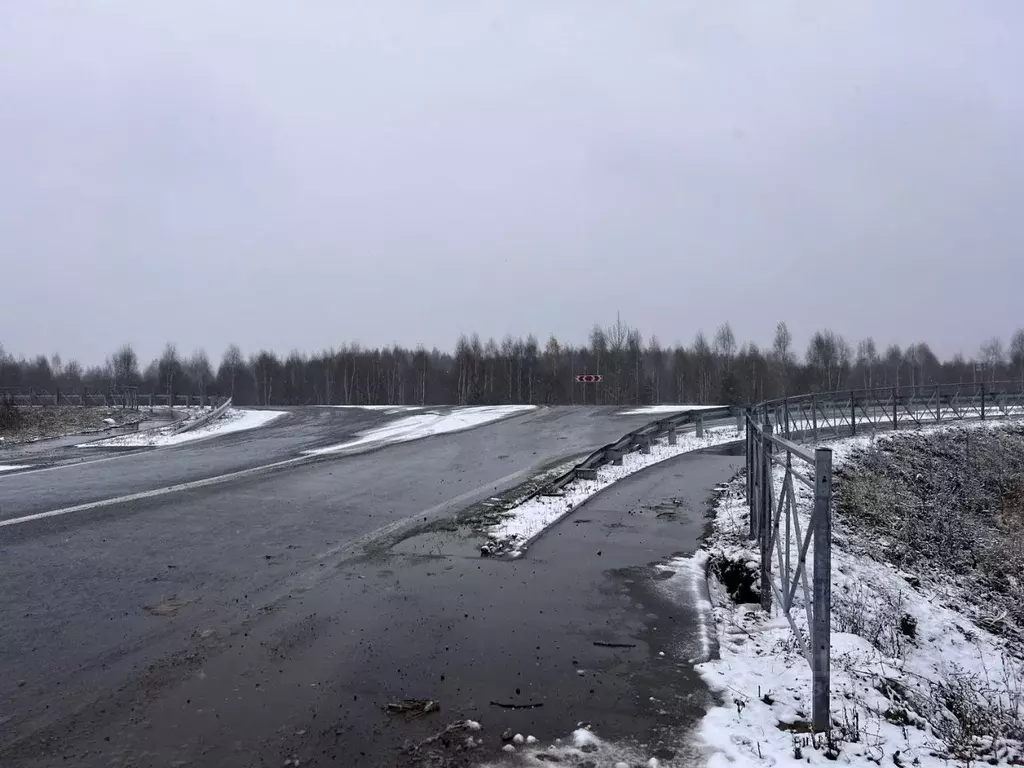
(983, 401)
(765, 531)
(750, 474)
(853, 414)
(814, 416)
(895, 408)
(821, 644)
(785, 410)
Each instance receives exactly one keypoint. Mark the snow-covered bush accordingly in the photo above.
(946, 504)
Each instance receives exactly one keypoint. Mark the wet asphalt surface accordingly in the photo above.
(270, 617)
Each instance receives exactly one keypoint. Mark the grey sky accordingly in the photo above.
(297, 175)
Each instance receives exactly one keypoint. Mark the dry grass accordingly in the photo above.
(21, 424)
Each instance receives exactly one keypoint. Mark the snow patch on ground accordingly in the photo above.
(427, 424)
(528, 520)
(233, 420)
(387, 409)
(12, 467)
(653, 410)
(581, 747)
(893, 695)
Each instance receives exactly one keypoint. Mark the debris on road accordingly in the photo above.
(600, 644)
(532, 705)
(455, 736)
(169, 607)
(412, 708)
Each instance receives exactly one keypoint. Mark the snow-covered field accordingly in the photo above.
(427, 424)
(233, 420)
(914, 678)
(528, 520)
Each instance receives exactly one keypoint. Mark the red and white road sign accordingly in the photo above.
(588, 378)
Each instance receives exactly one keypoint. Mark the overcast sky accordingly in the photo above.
(298, 175)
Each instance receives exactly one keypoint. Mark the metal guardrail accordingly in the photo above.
(774, 430)
(845, 412)
(206, 418)
(640, 440)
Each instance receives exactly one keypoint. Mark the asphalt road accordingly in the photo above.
(110, 615)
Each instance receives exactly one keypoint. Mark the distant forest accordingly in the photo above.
(516, 370)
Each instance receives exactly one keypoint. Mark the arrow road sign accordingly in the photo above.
(588, 378)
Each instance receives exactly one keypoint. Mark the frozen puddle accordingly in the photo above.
(427, 424)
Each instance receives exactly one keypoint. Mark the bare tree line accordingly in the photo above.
(517, 370)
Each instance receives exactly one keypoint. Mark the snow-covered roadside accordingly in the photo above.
(387, 409)
(427, 424)
(233, 420)
(582, 747)
(654, 410)
(525, 522)
(12, 467)
(908, 668)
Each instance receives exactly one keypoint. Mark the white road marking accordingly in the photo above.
(52, 467)
(155, 492)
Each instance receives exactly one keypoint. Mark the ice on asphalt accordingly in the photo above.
(427, 424)
(233, 420)
(683, 581)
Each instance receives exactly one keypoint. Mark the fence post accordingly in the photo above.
(814, 416)
(700, 426)
(765, 531)
(895, 408)
(785, 413)
(821, 650)
(853, 414)
(750, 475)
(983, 401)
